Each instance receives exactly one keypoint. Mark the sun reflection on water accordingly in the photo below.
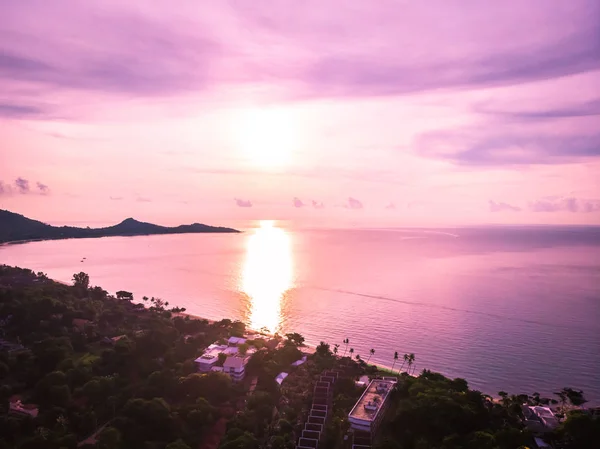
(267, 275)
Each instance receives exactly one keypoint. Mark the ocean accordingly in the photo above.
(507, 308)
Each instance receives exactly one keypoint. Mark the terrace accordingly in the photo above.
(367, 410)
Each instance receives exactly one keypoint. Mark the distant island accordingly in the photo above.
(17, 228)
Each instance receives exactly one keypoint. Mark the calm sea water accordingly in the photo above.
(515, 309)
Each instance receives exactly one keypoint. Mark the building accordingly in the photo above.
(236, 367)
(209, 359)
(16, 407)
(539, 419)
(234, 364)
(236, 341)
(367, 413)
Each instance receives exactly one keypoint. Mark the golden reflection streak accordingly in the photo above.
(267, 275)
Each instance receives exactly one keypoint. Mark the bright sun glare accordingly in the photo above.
(267, 275)
(266, 137)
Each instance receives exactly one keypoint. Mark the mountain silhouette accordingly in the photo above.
(15, 227)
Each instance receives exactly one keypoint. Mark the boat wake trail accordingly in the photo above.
(441, 307)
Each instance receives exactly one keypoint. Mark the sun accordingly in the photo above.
(266, 137)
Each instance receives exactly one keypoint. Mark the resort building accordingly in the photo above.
(539, 419)
(209, 359)
(234, 364)
(235, 367)
(367, 413)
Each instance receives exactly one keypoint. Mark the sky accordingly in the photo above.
(342, 112)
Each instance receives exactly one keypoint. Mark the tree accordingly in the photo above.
(178, 444)
(579, 429)
(295, 338)
(81, 280)
(323, 349)
(109, 438)
(346, 342)
(122, 294)
(243, 348)
(351, 352)
(98, 293)
(371, 353)
(411, 360)
(405, 359)
(395, 360)
(335, 348)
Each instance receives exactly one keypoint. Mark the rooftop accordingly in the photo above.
(233, 362)
(236, 340)
(370, 402)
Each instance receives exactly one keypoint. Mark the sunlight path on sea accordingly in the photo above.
(267, 275)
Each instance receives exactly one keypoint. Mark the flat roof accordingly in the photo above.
(373, 397)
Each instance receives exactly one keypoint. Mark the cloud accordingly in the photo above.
(14, 110)
(584, 109)
(366, 50)
(474, 147)
(22, 186)
(500, 207)
(353, 203)
(242, 203)
(115, 198)
(568, 204)
(390, 206)
(317, 204)
(141, 199)
(43, 188)
(297, 202)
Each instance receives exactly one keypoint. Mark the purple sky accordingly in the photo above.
(338, 112)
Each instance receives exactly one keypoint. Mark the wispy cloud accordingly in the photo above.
(473, 147)
(242, 203)
(569, 204)
(390, 206)
(142, 199)
(318, 204)
(353, 203)
(498, 206)
(297, 202)
(22, 186)
(582, 109)
(115, 198)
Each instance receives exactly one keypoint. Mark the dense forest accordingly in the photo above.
(91, 369)
(16, 227)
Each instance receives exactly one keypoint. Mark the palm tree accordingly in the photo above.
(351, 352)
(395, 360)
(358, 357)
(335, 349)
(346, 341)
(372, 351)
(405, 357)
(410, 360)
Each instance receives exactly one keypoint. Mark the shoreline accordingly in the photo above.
(306, 349)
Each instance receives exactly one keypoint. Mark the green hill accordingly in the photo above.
(15, 227)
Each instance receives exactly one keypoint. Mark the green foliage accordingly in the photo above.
(81, 281)
(122, 294)
(179, 444)
(579, 429)
(432, 411)
(109, 438)
(295, 338)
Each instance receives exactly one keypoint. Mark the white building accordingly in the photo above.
(368, 411)
(208, 360)
(235, 367)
